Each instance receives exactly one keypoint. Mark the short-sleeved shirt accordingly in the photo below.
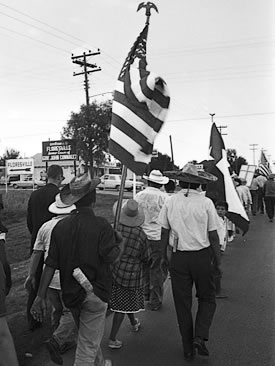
(2, 291)
(86, 241)
(42, 243)
(189, 220)
(128, 272)
(151, 200)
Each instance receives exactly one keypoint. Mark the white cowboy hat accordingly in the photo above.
(157, 177)
(60, 208)
(78, 188)
(131, 213)
(190, 174)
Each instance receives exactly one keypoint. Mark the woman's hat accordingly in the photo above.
(190, 174)
(77, 188)
(157, 177)
(60, 208)
(131, 213)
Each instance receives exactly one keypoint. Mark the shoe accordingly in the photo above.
(199, 344)
(189, 356)
(108, 363)
(270, 220)
(154, 307)
(115, 344)
(135, 327)
(54, 351)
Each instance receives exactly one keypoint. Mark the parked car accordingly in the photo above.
(24, 183)
(113, 181)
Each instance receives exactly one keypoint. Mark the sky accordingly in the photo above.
(217, 57)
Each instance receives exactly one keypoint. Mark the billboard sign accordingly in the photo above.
(58, 150)
(19, 166)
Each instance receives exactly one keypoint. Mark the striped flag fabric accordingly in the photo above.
(264, 166)
(223, 189)
(140, 106)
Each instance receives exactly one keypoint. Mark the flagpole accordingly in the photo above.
(148, 6)
(120, 196)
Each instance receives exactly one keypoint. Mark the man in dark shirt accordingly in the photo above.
(37, 215)
(86, 242)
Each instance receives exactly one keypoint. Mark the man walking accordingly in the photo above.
(151, 199)
(269, 196)
(37, 215)
(191, 219)
(82, 243)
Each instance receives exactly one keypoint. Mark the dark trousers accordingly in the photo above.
(254, 196)
(156, 273)
(186, 269)
(269, 206)
(261, 200)
(32, 295)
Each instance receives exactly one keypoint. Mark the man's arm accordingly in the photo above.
(7, 349)
(35, 259)
(38, 309)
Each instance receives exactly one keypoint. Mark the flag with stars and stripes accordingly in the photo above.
(223, 189)
(264, 166)
(140, 105)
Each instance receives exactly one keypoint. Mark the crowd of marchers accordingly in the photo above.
(84, 267)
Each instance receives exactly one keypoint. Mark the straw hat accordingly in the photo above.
(60, 208)
(157, 177)
(131, 213)
(78, 188)
(190, 174)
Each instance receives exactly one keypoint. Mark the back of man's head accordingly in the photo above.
(154, 184)
(55, 174)
(189, 185)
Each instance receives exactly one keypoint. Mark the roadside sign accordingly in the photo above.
(19, 166)
(58, 150)
(247, 172)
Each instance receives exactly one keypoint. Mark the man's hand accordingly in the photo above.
(39, 309)
(30, 283)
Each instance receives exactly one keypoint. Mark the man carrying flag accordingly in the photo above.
(223, 189)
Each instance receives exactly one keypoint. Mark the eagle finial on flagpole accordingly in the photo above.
(148, 6)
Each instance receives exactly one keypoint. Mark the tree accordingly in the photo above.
(9, 154)
(90, 129)
(161, 162)
(235, 161)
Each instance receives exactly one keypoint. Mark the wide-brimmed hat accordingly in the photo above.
(156, 176)
(190, 174)
(77, 188)
(60, 208)
(131, 213)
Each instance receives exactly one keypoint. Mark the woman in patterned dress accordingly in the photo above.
(128, 277)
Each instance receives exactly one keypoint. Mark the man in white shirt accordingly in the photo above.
(151, 199)
(191, 219)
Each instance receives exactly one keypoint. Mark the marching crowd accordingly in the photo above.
(84, 266)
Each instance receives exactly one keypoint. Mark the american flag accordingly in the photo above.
(223, 189)
(140, 106)
(264, 166)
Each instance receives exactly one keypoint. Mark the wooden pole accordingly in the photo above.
(120, 196)
(172, 153)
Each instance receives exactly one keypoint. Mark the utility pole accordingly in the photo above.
(253, 148)
(82, 61)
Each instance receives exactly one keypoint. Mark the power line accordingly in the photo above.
(34, 39)
(228, 116)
